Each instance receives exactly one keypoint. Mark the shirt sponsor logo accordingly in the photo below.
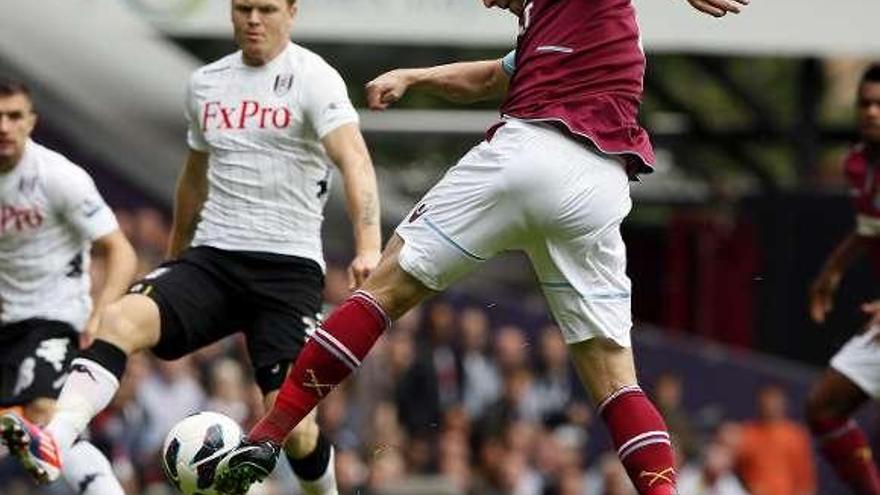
(17, 219)
(248, 114)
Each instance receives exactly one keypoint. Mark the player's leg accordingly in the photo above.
(328, 358)
(580, 260)
(337, 347)
(605, 364)
(43, 355)
(129, 325)
(286, 296)
(89, 472)
(174, 310)
(843, 388)
(85, 468)
(458, 225)
(466, 218)
(310, 455)
(42, 373)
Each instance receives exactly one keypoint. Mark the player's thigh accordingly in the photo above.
(34, 361)
(577, 249)
(132, 323)
(395, 290)
(859, 362)
(465, 219)
(585, 283)
(834, 395)
(196, 306)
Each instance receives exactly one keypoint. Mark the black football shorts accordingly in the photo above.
(207, 294)
(34, 356)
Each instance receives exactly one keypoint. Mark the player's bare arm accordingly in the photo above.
(192, 190)
(822, 289)
(872, 309)
(347, 149)
(121, 266)
(462, 82)
(719, 8)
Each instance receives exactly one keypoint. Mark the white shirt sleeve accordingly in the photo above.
(195, 136)
(79, 202)
(325, 100)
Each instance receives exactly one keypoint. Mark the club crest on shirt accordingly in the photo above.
(283, 83)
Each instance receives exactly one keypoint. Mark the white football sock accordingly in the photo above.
(88, 390)
(326, 484)
(89, 472)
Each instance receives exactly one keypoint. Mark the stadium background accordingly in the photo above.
(750, 116)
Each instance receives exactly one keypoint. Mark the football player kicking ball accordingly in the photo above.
(51, 214)
(550, 179)
(265, 125)
(853, 376)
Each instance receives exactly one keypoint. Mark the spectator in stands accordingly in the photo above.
(511, 349)
(774, 454)
(714, 476)
(482, 384)
(668, 397)
(556, 385)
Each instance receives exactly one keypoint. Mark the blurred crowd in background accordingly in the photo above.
(448, 403)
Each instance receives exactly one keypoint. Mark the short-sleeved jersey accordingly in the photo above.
(268, 173)
(50, 211)
(864, 183)
(580, 63)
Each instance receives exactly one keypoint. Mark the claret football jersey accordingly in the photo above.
(580, 63)
(864, 183)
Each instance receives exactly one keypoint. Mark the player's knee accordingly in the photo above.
(40, 411)
(302, 440)
(818, 409)
(119, 328)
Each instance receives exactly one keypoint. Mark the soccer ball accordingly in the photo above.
(194, 447)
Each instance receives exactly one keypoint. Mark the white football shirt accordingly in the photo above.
(268, 173)
(50, 212)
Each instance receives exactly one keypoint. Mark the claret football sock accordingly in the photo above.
(93, 381)
(332, 353)
(641, 439)
(845, 446)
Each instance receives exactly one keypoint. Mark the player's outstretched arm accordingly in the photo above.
(461, 82)
(346, 147)
(121, 262)
(192, 189)
(719, 8)
(822, 289)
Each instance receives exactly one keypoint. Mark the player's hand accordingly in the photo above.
(91, 330)
(719, 8)
(872, 309)
(387, 89)
(822, 297)
(361, 267)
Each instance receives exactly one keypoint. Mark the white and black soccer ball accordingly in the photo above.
(194, 447)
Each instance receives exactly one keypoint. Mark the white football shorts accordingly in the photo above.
(859, 360)
(533, 188)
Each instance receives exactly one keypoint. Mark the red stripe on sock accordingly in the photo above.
(639, 432)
